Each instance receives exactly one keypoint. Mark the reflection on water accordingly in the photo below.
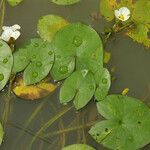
(130, 60)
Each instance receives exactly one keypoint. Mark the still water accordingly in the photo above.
(130, 60)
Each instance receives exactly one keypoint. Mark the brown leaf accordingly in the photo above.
(33, 92)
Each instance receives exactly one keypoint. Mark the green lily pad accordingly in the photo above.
(127, 126)
(78, 147)
(80, 42)
(141, 11)
(49, 25)
(14, 2)
(80, 86)
(103, 81)
(65, 2)
(6, 63)
(37, 59)
(107, 8)
(1, 134)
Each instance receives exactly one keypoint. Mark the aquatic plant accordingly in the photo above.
(72, 55)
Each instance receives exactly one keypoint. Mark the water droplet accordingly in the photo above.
(1, 44)
(77, 41)
(50, 53)
(84, 72)
(34, 74)
(38, 64)
(36, 44)
(91, 87)
(33, 56)
(104, 81)
(44, 45)
(63, 69)
(5, 60)
(1, 77)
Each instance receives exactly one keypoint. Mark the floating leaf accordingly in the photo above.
(142, 11)
(140, 34)
(14, 2)
(6, 63)
(78, 147)
(127, 127)
(65, 2)
(80, 86)
(33, 92)
(49, 25)
(1, 134)
(80, 42)
(107, 8)
(37, 58)
(103, 81)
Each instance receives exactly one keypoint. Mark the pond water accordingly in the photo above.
(131, 62)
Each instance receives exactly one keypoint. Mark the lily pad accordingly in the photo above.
(49, 25)
(107, 8)
(14, 2)
(78, 147)
(141, 11)
(127, 126)
(65, 2)
(37, 61)
(103, 81)
(80, 42)
(6, 63)
(80, 86)
(33, 92)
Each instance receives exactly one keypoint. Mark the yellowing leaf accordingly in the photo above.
(33, 92)
(140, 34)
(48, 25)
(141, 13)
(107, 8)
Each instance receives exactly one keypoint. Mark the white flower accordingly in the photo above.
(10, 32)
(122, 14)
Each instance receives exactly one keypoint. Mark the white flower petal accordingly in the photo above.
(5, 28)
(6, 35)
(117, 13)
(16, 27)
(15, 35)
(122, 14)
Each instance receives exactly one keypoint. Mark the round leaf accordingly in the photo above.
(141, 11)
(127, 127)
(65, 2)
(78, 147)
(37, 58)
(82, 43)
(6, 63)
(80, 86)
(107, 8)
(49, 25)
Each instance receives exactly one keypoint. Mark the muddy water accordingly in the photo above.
(131, 62)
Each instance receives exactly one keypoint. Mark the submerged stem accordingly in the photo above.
(70, 129)
(48, 124)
